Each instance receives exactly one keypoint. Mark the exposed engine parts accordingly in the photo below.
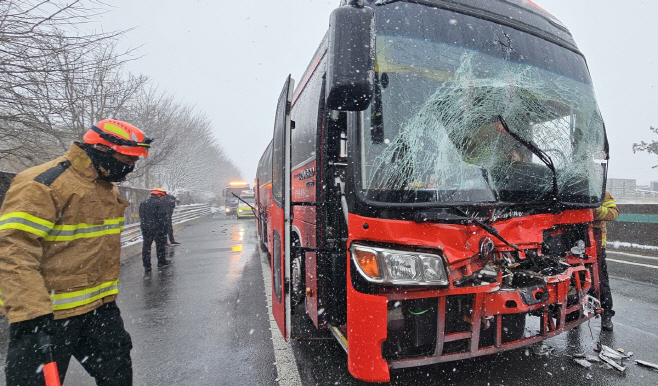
(513, 271)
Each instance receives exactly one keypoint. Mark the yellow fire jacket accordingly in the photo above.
(606, 212)
(60, 240)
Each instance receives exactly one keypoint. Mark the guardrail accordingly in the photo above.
(131, 233)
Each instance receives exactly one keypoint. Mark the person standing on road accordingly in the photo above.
(606, 212)
(153, 214)
(170, 200)
(60, 248)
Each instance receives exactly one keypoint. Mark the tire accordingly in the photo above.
(298, 279)
(262, 235)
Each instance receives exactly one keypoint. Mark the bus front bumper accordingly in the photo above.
(415, 328)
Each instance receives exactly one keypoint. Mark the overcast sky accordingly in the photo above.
(230, 59)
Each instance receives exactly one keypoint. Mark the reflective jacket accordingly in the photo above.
(606, 212)
(60, 240)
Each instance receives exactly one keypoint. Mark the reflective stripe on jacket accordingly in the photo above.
(60, 240)
(51, 232)
(606, 212)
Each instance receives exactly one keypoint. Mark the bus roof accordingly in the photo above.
(521, 14)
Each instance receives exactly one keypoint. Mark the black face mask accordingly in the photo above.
(114, 170)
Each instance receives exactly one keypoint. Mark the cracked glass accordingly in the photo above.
(434, 132)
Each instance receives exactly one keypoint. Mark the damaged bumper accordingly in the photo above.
(426, 327)
(498, 297)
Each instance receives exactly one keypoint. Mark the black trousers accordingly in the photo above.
(97, 339)
(170, 230)
(606, 294)
(148, 238)
(604, 281)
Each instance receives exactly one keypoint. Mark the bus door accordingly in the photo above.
(280, 215)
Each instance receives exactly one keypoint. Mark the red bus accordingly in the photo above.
(427, 195)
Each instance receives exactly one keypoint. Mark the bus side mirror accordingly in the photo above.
(350, 69)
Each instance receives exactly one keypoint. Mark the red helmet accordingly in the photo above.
(122, 137)
(158, 191)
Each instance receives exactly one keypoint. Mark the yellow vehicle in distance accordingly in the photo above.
(243, 209)
(233, 189)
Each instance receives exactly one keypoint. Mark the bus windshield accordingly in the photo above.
(445, 83)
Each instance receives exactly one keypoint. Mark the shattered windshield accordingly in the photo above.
(433, 132)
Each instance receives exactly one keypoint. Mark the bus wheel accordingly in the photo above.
(297, 276)
(263, 235)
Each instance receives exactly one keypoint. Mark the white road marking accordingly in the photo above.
(286, 365)
(631, 263)
(637, 329)
(633, 255)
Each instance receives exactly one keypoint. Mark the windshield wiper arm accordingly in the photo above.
(543, 157)
(252, 208)
(492, 231)
(444, 215)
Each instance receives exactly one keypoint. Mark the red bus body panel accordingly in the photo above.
(303, 225)
(275, 220)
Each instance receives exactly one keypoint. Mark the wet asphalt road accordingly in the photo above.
(204, 321)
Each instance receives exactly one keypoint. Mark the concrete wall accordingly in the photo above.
(135, 196)
(637, 224)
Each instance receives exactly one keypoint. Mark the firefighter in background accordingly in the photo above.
(153, 220)
(60, 247)
(171, 202)
(606, 212)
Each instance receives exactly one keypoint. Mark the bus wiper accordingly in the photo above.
(492, 231)
(443, 215)
(543, 157)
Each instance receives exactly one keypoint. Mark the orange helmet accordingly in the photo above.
(158, 191)
(122, 137)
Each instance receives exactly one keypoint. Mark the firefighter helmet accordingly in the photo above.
(122, 137)
(158, 191)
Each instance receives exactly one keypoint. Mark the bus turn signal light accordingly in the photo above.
(368, 262)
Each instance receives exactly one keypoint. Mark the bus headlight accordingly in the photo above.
(401, 266)
(388, 266)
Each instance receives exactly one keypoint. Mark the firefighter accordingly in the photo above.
(606, 212)
(171, 202)
(60, 246)
(153, 220)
